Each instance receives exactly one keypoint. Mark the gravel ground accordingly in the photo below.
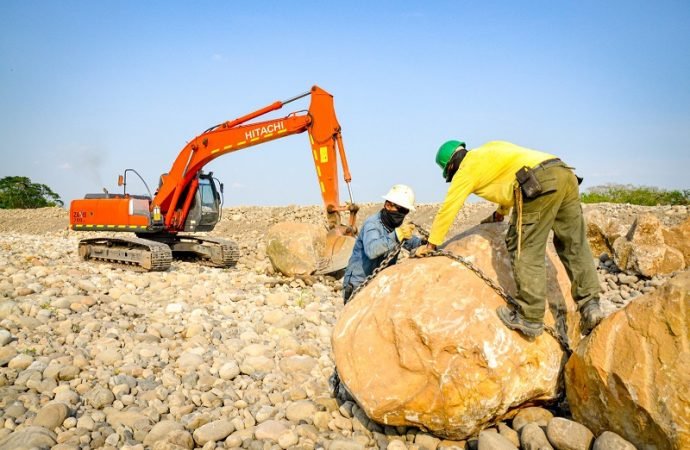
(196, 357)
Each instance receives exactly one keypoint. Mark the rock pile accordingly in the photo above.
(96, 356)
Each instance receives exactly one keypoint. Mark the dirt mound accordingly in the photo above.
(34, 221)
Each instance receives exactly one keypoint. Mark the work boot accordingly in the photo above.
(590, 316)
(514, 320)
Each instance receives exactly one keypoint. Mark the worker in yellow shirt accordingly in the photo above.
(544, 195)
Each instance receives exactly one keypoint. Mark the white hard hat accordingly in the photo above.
(401, 195)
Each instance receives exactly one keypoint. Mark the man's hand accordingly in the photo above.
(493, 218)
(404, 231)
(423, 250)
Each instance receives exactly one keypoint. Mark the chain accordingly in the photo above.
(385, 263)
(469, 265)
(499, 290)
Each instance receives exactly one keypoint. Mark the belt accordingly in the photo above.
(548, 163)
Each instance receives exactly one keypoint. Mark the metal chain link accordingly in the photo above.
(563, 341)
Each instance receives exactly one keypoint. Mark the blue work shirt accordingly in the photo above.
(373, 244)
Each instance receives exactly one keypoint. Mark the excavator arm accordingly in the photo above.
(173, 195)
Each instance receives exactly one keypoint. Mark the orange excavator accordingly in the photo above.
(189, 200)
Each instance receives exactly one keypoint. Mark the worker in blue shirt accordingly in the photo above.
(379, 235)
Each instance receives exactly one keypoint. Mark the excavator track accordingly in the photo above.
(145, 253)
(216, 252)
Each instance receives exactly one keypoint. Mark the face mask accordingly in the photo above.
(392, 219)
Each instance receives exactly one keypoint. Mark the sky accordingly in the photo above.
(91, 88)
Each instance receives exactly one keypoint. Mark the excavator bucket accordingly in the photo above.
(337, 253)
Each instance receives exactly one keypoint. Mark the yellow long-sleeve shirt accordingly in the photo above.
(489, 172)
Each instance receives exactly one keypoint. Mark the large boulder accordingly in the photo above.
(295, 249)
(643, 249)
(596, 223)
(678, 238)
(421, 345)
(632, 374)
(602, 231)
(299, 249)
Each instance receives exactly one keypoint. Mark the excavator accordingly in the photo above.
(189, 200)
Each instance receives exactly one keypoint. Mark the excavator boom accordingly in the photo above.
(324, 136)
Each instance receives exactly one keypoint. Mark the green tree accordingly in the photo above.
(21, 193)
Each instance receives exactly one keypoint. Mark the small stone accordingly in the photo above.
(229, 370)
(189, 360)
(100, 397)
(490, 440)
(20, 362)
(342, 444)
(540, 416)
(627, 279)
(342, 423)
(6, 355)
(532, 437)
(51, 415)
(28, 438)
(112, 439)
(213, 431)
(508, 433)
(179, 439)
(69, 372)
(15, 410)
(271, 430)
(24, 291)
(5, 337)
(426, 440)
(609, 440)
(174, 308)
(69, 423)
(264, 413)
(321, 420)
(300, 410)
(396, 444)
(566, 434)
(235, 440)
(287, 439)
(617, 298)
(86, 422)
(346, 409)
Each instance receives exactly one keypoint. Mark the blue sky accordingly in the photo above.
(89, 88)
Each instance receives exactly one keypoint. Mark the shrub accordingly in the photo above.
(635, 195)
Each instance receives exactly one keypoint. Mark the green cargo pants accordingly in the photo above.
(557, 208)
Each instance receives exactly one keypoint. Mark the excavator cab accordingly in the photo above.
(206, 207)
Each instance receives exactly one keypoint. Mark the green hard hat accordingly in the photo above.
(445, 152)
